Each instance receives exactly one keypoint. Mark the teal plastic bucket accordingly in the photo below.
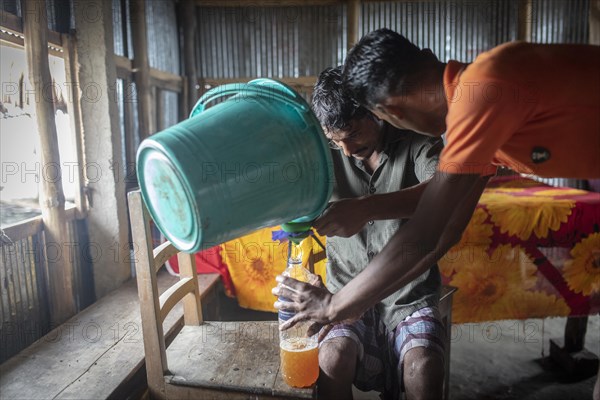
(254, 160)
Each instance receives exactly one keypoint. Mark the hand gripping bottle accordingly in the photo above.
(299, 353)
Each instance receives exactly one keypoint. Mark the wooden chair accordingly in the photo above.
(206, 360)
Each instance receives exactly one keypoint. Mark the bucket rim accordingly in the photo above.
(195, 236)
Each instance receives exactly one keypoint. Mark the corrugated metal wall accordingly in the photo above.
(163, 54)
(240, 42)
(458, 30)
(59, 13)
(246, 42)
(163, 35)
(270, 41)
(24, 309)
(560, 21)
(302, 41)
(122, 28)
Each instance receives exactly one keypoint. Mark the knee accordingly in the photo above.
(337, 360)
(432, 366)
(337, 354)
(423, 374)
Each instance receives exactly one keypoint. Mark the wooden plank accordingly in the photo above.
(124, 68)
(159, 116)
(353, 15)
(24, 229)
(174, 295)
(14, 25)
(162, 253)
(11, 22)
(187, 12)
(94, 353)
(141, 66)
(594, 37)
(74, 110)
(130, 133)
(231, 356)
(17, 40)
(525, 20)
(10, 38)
(308, 81)
(188, 392)
(184, 95)
(52, 198)
(280, 3)
(575, 330)
(166, 80)
(192, 309)
(156, 361)
(266, 3)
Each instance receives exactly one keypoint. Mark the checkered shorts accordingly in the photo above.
(381, 352)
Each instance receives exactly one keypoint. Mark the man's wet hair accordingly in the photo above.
(332, 104)
(378, 65)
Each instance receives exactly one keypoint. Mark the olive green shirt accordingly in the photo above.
(406, 160)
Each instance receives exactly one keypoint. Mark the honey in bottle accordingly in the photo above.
(299, 352)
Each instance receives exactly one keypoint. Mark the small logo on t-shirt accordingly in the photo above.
(539, 155)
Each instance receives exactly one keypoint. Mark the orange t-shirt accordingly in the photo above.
(532, 107)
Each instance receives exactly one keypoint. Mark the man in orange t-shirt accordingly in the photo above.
(534, 108)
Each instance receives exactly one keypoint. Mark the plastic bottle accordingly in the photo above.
(299, 353)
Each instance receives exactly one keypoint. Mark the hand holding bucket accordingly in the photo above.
(255, 160)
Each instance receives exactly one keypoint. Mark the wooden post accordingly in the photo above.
(192, 307)
(152, 329)
(575, 333)
(74, 111)
(525, 20)
(52, 198)
(353, 20)
(160, 107)
(188, 20)
(594, 22)
(141, 68)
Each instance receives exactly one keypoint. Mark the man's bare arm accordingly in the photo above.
(441, 216)
(451, 235)
(346, 217)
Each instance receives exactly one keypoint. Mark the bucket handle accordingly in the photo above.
(258, 86)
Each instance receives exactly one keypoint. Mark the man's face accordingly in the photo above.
(360, 139)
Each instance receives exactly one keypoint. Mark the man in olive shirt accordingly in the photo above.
(397, 345)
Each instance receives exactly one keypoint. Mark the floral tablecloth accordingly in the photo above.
(530, 251)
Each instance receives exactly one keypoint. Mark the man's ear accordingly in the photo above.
(376, 119)
(390, 113)
(391, 110)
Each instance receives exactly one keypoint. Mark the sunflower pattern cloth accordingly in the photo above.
(255, 260)
(529, 251)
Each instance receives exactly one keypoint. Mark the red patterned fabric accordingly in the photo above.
(209, 261)
(530, 251)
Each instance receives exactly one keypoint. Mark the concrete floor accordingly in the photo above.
(504, 360)
(508, 360)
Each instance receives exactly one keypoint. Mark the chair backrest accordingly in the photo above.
(154, 306)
